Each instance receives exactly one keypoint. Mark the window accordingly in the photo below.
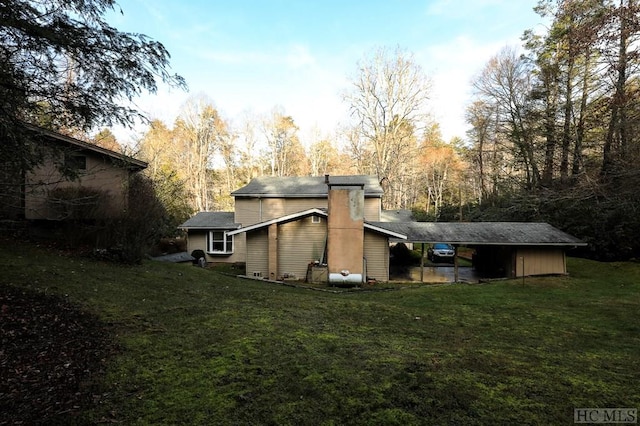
(219, 242)
(73, 161)
(315, 219)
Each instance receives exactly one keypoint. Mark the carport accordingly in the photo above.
(503, 249)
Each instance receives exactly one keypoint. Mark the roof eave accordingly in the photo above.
(282, 219)
(498, 243)
(207, 227)
(132, 163)
(298, 195)
(384, 231)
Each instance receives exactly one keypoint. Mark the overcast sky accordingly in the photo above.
(299, 54)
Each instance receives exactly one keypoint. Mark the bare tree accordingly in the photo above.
(199, 133)
(387, 100)
(284, 150)
(247, 148)
(505, 83)
(440, 170)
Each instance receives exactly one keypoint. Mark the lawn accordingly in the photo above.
(195, 346)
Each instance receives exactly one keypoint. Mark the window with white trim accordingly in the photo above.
(315, 219)
(218, 242)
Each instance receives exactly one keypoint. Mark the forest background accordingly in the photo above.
(554, 136)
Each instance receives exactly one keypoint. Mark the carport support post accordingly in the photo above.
(455, 263)
(422, 265)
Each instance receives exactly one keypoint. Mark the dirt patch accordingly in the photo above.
(51, 354)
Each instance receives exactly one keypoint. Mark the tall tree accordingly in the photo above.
(323, 158)
(199, 132)
(440, 170)
(387, 101)
(64, 67)
(157, 147)
(620, 48)
(566, 53)
(479, 114)
(106, 139)
(63, 58)
(285, 152)
(505, 83)
(248, 135)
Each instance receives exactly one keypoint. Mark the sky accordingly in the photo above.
(254, 55)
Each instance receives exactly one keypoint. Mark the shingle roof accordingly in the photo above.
(131, 162)
(211, 220)
(483, 233)
(307, 186)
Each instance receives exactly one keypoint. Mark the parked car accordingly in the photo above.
(441, 252)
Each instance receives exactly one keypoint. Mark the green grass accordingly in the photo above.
(200, 347)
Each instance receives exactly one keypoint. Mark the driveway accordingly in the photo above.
(444, 274)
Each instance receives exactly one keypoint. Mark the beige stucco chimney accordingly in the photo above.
(345, 232)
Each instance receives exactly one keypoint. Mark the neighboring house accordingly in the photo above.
(333, 228)
(75, 179)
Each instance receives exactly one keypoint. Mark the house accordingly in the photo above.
(333, 229)
(73, 180)
(282, 225)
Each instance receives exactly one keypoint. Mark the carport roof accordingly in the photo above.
(483, 233)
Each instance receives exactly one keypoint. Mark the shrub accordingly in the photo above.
(402, 256)
(143, 224)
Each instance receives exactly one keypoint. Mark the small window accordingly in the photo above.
(73, 161)
(218, 242)
(315, 219)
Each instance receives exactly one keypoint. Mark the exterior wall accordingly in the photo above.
(376, 251)
(506, 261)
(295, 205)
(539, 261)
(100, 174)
(300, 243)
(247, 211)
(197, 240)
(372, 207)
(250, 211)
(257, 249)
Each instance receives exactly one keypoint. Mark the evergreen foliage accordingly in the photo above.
(63, 65)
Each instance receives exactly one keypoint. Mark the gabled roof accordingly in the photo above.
(211, 220)
(315, 212)
(59, 138)
(484, 233)
(306, 186)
